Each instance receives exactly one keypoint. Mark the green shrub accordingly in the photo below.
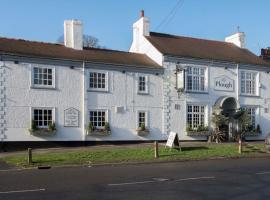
(107, 126)
(52, 126)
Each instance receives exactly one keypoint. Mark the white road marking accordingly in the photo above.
(10, 170)
(160, 180)
(195, 178)
(131, 183)
(260, 173)
(23, 191)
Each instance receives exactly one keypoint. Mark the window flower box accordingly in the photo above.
(42, 132)
(252, 133)
(198, 133)
(37, 131)
(141, 132)
(99, 132)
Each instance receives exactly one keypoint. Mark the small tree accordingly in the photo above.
(243, 121)
(219, 120)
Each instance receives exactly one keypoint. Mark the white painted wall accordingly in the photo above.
(20, 97)
(177, 118)
(122, 91)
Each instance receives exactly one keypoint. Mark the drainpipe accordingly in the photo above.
(237, 84)
(84, 103)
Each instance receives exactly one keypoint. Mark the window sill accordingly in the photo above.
(249, 95)
(196, 92)
(40, 87)
(93, 90)
(142, 93)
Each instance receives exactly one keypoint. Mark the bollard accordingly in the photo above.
(156, 149)
(240, 146)
(29, 157)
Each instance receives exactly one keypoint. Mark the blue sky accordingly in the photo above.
(111, 20)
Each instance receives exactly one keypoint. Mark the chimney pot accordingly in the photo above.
(142, 13)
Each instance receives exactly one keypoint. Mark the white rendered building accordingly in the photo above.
(165, 83)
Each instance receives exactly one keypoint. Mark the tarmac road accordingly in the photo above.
(212, 179)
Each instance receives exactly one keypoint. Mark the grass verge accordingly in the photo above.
(141, 154)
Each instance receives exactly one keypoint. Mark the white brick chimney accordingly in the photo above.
(73, 34)
(238, 39)
(140, 29)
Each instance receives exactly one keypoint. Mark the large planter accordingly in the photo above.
(43, 132)
(198, 133)
(99, 133)
(143, 132)
(250, 134)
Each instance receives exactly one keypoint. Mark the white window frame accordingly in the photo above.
(106, 89)
(205, 79)
(146, 91)
(42, 86)
(99, 110)
(42, 108)
(192, 119)
(256, 87)
(255, 113)
(146, 118)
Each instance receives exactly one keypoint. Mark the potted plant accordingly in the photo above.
(142, 130)
(92, 131)
(199, 131)
(34, 130)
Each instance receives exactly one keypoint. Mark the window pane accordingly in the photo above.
(97, 80)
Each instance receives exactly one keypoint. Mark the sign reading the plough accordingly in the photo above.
(71, 117)
(224, 83)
